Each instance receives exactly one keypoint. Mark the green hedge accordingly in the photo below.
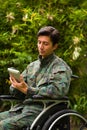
(19, 24)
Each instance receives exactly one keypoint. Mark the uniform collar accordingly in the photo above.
(45, 61)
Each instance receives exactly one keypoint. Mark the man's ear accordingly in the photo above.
(55, 46)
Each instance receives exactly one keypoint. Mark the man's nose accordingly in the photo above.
(41, 45)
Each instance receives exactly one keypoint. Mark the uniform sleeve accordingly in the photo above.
(27, 73)
(55, 84)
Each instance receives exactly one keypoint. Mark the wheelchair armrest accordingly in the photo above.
(36, 97)
(7, 98)
(74, 76)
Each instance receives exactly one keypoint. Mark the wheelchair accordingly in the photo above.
(56, 115)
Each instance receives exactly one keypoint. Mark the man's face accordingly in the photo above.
(45, 46)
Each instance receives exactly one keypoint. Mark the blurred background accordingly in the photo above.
(20, 21)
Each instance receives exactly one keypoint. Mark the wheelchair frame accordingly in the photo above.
(49, 110)
(52, 113)
(55, 116)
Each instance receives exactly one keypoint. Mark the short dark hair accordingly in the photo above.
(51, 32)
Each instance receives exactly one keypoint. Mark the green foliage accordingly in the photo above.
(19, 24)
(80, 105)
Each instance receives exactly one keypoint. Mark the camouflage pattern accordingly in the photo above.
(49, 77)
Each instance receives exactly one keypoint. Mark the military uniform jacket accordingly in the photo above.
(48, 77)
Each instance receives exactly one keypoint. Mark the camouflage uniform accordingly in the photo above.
(49, 77)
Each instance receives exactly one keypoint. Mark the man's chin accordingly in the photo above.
(41, 54)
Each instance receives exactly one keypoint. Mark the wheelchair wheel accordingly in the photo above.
(66, 120)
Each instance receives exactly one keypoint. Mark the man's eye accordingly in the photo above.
(39, 42)
(45, 43)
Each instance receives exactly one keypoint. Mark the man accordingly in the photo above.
(48, 76)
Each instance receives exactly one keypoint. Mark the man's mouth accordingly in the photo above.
(41, 51)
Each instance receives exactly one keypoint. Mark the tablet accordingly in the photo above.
(15, 73)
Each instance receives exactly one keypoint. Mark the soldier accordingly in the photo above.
(48, 76)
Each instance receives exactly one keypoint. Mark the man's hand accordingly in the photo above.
(21, 86)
